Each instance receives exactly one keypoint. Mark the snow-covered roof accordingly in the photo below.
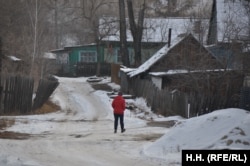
(169, 72)
(49, 55)
(58, 50)
(82, 45)
(13, 58)
(155, 30)
(66, 48)
(182, 71)
(232, 20)
(158, 55)
(127, 70)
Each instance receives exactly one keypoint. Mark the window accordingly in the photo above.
(88, 56)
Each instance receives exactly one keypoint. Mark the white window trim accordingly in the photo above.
(80, 55)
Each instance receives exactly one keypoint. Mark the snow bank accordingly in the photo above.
(222, 129)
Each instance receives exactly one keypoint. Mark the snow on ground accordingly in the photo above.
(81, 133)
(222, 129)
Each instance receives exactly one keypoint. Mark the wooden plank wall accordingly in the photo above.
(190, 103)
(45, 88)
(161, 101)
(17, 94)
(90, 69)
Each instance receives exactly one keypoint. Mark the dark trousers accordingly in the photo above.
(117, 117)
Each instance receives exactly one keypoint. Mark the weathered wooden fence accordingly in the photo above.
(245, 98)
(90, 69)
(186, 104)
(161, 101)
(17, 94)
(45, 88)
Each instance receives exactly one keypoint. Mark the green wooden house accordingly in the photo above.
(71, 57)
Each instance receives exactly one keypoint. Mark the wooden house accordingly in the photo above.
(185, 55)
(208, 77)
(189, 68)
(71, 56)
(107, 52)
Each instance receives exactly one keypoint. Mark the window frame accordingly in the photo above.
(87, 56)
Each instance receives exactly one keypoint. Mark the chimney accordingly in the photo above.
(169, 37)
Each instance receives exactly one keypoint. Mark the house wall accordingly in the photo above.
(74, 55)
(111, 55)
(207, 91)
(111, 51)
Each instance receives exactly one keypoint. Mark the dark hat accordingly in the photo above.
(120, 93)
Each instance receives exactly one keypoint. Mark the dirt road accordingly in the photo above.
(80, 134)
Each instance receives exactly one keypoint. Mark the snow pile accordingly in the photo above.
(222, 129)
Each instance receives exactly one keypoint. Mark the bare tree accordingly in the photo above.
(36, 34)
(34, 25)
(1, 57)
(136, 30)
(91, 11)
(59, 8)
(123, 37)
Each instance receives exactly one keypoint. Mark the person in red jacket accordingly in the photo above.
(118, 105)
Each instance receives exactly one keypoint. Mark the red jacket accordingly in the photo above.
(118, 105)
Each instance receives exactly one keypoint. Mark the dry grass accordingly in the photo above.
(9, 134)
(13, 135)
(47, 107)
(6, 123)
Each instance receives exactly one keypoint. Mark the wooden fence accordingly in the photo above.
(186, 104)
(16, 95)
(161, 101)
(45, 88)
(90, 69)
(245, 98)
